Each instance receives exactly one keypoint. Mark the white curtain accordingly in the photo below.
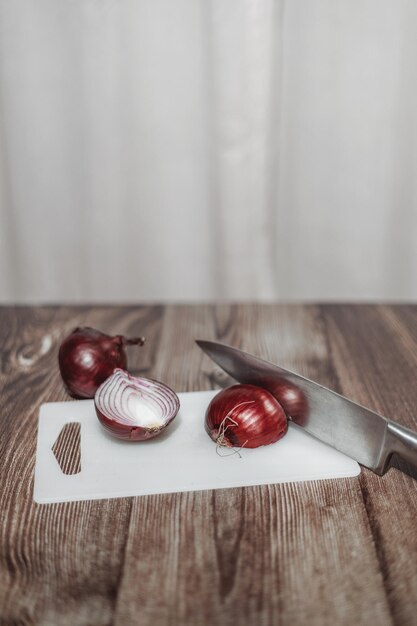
(191, 150)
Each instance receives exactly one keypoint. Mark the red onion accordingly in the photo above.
(87, 357)
(135, 408)
(290, 397)
(245, 416)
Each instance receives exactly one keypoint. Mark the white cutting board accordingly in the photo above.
(183, 458)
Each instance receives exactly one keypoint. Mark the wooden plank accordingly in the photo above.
(67, 448)
(375, 351)
(59, 564)
(299, 554)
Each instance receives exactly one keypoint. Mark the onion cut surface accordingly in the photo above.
(134, 408)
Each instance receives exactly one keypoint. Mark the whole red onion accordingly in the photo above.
(245, 416)
(87, 357)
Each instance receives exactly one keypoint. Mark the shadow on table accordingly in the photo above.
(403, 466)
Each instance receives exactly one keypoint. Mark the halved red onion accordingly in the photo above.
(290, 397)
(245, 416)
(135, 408)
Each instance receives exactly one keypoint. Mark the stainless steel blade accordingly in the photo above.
(349, 427)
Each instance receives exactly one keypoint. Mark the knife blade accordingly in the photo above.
(358, 432)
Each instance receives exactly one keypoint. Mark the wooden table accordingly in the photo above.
(324, 552)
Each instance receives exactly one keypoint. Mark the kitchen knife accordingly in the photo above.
(358, 432)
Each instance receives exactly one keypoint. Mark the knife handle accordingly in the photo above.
(403, 441)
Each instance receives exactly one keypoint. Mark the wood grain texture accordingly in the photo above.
(59, 564)
(322, 552)
(67, 448)
(375, 352)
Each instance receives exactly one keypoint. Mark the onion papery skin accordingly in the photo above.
(113, 403)
(245, 416)
(290, 397)
(87, 357)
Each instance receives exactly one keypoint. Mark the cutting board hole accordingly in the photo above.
(67, 448)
